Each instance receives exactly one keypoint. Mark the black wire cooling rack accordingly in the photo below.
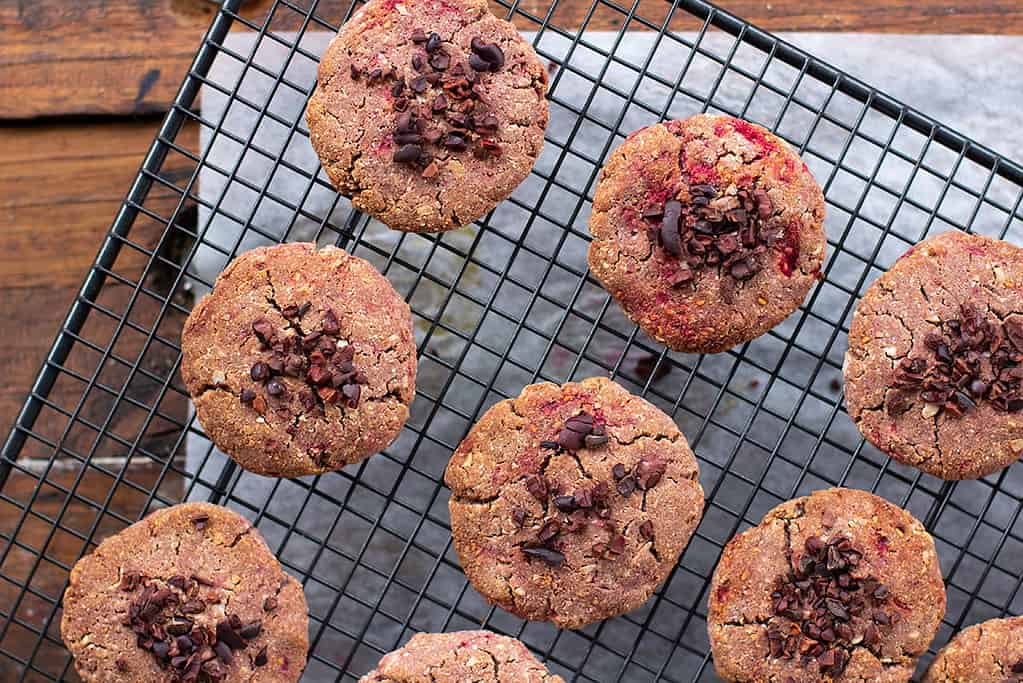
(498, 305)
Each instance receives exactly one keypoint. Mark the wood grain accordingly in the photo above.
(129, 56)
(62, 185)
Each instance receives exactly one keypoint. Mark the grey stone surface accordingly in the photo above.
(498, 334)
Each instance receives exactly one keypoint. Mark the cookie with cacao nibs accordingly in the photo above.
(707, 231)
(934, 370)
(572, 503)
(478, 656)
(428, 114)
(840, 585)
(989, 652)
(300, 360)
(190, 593)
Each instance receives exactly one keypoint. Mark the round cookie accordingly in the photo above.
(300, 361)
(934, 371)
(428, 113)
(477, 656)
(189, 593)
(840, 585)
(571, 504)
(708, 231)
(991, 652)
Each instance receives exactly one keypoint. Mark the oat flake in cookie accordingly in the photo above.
(991, 652)
(572, 503)
(934, 371)
(300, 361)
(190, 593)
(428, 112)
(708, 231)
(837, 586)
(460, 657)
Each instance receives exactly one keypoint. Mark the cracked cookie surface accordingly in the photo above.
(708, 231)
(300, 361)
(572, 503)
(191, 592)
(870, 571)
(905, 318)
(477, 656)
(449, 170)
(989, 652)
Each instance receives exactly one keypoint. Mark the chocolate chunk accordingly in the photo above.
(537, 487)
(251, 630)
(670, 238)
(626, 485)
(223, 651)
(275, 388)
(648, 473)
(259, 372)
(489, 52)
(551, 557)
(548, 445)
(200, 521)
(227, 634)
(595, 440)
(646, 530)
(433, 43)
(478, 63)
(270, 604)
(455, 142)
(570, 440)
(519, 516)
(618, 471)
(440, 61)
(407, 153)
(260, 659)
(565, 503)
(263, 330)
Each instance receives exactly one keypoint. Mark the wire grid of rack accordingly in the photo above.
(506, 302)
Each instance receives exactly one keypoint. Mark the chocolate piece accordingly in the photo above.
(548, 555)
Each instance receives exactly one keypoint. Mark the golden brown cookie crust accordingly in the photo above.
(920, 293)
(896, 551)
(368, 68)
(477, 656)
(727, 163)
(225, 568)
(990, 652)
(508, 485)
(306, 424)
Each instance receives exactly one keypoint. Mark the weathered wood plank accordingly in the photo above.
(62, 185)
(129, 56)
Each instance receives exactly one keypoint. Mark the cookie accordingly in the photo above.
(477, 656)
(708, 231)
(837, 586)
(934, 371)
(300, 361)
(991, 652)
(571, 504)
(428, 113)
(190, 593)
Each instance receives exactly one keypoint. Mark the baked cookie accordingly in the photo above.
(991, 652)
(571, 504)
(708, 231)
(428, 112)
(837, 586)
(477, 656)
(300, 361)
(934, 371)
(190, 593)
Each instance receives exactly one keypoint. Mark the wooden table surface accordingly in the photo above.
(84, 83)
(83, 87)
